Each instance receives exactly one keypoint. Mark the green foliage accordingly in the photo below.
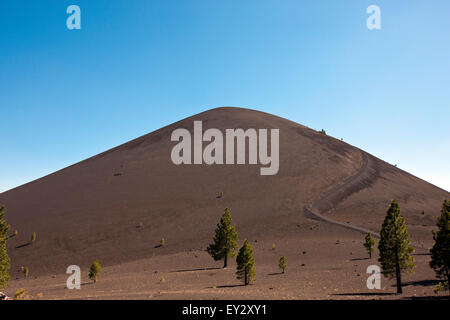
(94, 271)
(323, 132)
(33, 237)
(283, 263)
(440, 252)
(224, 245)
(369, 244)
(26, 272)
(163, 241)
(245, 263)
(273, 246)
(21, 294)
(394, 245)
(4, 258)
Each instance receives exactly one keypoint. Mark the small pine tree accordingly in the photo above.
(21, 294)
(26, 272)
(224, 245)
(369, 244)
(283, 263)
(33, 237)
(394, 245)
(245, 263)
(163, 241)
(94, 271)
(4, 258)
(440, 252)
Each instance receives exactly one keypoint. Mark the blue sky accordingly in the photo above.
(136, 66)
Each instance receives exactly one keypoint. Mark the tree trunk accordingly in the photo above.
(398, 275)
(225, 261)
(245, 277)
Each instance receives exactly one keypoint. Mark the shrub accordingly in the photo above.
(94, 271)
(283, 263)
(21, 294)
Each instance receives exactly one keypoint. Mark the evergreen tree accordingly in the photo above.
(33, 237)
(369, 244)
(224, 245)
(94, 271)
(4, 258)
(394, 245)
(245, 263)
(283, 263)
(440, 252)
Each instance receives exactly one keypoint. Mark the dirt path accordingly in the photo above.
(326, 202)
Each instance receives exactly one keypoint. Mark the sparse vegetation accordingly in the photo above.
(162, 280)
(4, 258)
(394, 246)
(338, 241)
(21, 294)
(283, 263)
(323, 132)
(26, 271)
(245, 263)
(273, 246)
(94, 271)
(369, 244)
(440, 252)
(225, 237)
(33, 237)
(163, 241)
(15, 233)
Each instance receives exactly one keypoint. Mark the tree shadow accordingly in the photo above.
(158, 246)
(359, 259)
(366, 294)
(231, 286)
(198, 269)
(23, 245)
(422, 283)
(421, 254)
(275, 274)
(87, 283)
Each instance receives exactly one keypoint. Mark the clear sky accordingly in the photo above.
(136, 66)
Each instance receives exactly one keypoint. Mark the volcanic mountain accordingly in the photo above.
(115, 207)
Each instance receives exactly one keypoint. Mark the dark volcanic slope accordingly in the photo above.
(91, 210)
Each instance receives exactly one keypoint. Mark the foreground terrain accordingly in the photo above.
(116, 206)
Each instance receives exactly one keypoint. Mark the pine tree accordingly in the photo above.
(224, 245)
(394, 245)
(440, 252)
(245, 263)
(94, 271)
(4, 258)
(369, 244)
(283, 263)
(33, 237)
